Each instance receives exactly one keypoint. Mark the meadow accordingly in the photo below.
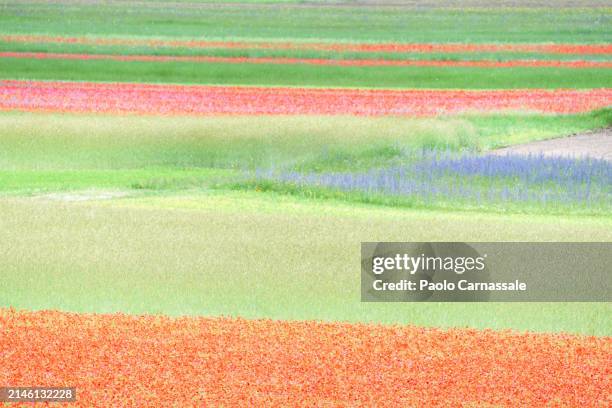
(189, 254)
(71, 141)
(184, 187)
(310, 171)
(51, 152)
(435, 22)
(305, 75)
(166, 200)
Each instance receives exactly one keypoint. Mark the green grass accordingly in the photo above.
(205, 251)
(27, 182)
(305, 75)
(257, 256)
(50, 152)
(46, 153)
(406, 24)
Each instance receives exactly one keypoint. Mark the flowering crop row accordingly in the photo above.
(120, 360)
(467, 179)
(313, 61)
(208, 100)
(338, 47)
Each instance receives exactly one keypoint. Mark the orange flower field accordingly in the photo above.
(121, 360)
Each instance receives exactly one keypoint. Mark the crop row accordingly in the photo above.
(313, 61)
(121, 360)
(318, 46)
(470, 180)
(210, 100)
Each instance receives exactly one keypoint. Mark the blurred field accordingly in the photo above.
(514, 21)
(306, 75)
(255, 255)
(67, 142)
(48, 153)
(148, 214)
(90, 46)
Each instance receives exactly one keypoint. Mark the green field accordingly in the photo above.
(435, 22)
(446, 22)
(101, 205)
(305, 75)
(255, 255)
(49, 152)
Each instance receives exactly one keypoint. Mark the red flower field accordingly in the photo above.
(210, 100)
(337, 47)
(313, 61)
(120, 360)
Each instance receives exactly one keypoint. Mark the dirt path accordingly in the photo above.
(596, 144)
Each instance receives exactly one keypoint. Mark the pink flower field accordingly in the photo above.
(128, 98)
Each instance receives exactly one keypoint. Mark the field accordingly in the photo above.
(273, 363)
(184, 187)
